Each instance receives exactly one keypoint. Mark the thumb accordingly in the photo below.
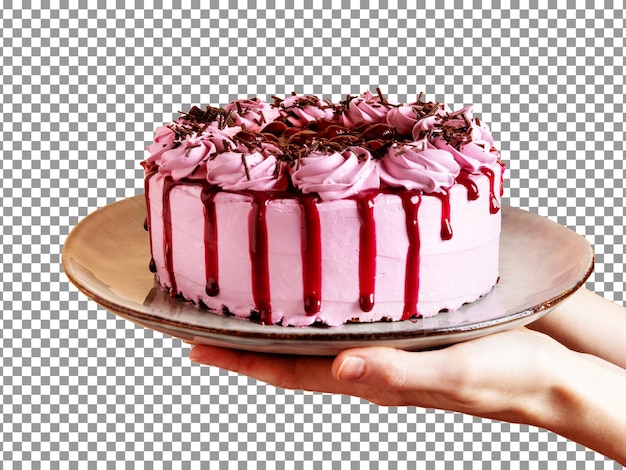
(391, 368)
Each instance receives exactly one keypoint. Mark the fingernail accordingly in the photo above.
(194, 356)
(351, 369)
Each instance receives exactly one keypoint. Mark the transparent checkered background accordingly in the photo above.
(85, 83)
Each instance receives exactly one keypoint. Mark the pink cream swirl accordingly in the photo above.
(402, 119)
(245, 169)
(336, 175)
(477, 149)
(164, 139)
(418, 166)
(299, 110)
(364, 109)
(252, 114)
(405, 117)
(188, 157)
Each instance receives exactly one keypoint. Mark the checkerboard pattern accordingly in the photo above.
(85, 83)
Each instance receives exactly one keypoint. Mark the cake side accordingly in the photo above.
(449, 272)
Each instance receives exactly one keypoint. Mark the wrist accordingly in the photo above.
(584, 403)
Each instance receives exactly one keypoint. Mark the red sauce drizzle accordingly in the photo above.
(168, 185)
(211, 253)
(472, 189)
(147, 222)
(411, 201)
(494, 205)
(446, 226)
(367, 250)
(258, 246)
(311, 255)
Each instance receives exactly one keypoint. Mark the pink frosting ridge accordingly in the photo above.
(249, 167)
(404, 118)
(419, 166)
(365, 109)
(472, 151)
(185, 160)
(336, 175)
(252, 114)
(299, 110)
(164, 139)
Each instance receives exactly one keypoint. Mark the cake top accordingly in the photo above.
(305, 144)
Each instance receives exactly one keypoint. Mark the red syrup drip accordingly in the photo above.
(211, 258)
(472, 188)
(168, 185)
(152, 265)
(258, 246)
(367, 250)
(494, 204)
(411, 201)
(446, 226)
(147, 222)
(311, 255)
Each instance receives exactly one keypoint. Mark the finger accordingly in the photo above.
(395, 369)
(285, 371)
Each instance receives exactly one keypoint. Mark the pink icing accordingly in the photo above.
(418, 166)
(186, 160)
(163, 140)
(336, 175)
(255, 171)
(474, 153)
(298, 110)
(365, 109)
(424, 125)
(252, 114)
(402, 118)
(405, 117)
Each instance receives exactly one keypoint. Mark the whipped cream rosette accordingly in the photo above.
(299, 110)
(164, 139)
(468, 139)
(249, 168)
(336, 175)
(187, 157)
(252, 114)
(418, 166)
(365, 109)
(404, 117)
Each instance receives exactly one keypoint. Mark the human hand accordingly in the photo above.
(519, 376)
(503, 376)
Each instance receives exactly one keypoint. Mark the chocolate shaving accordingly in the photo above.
(245, 166)
(381, 97)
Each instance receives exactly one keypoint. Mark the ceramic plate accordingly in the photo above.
(541, 263)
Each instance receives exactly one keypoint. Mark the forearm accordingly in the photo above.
(587, 405)
(588, 323)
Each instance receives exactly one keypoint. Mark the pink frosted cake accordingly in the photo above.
(301, 211)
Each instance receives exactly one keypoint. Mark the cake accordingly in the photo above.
(300, 211)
